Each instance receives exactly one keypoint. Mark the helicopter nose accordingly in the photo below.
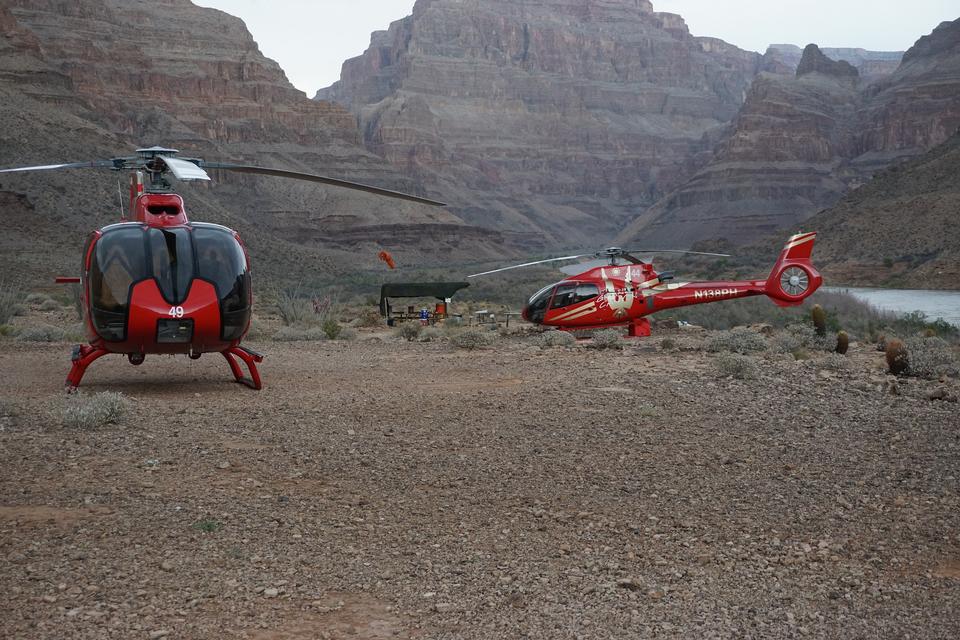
(525, 314)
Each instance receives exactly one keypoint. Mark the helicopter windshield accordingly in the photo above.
(220, 260)
(173, 257)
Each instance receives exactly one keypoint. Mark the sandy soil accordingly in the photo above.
(380, 489)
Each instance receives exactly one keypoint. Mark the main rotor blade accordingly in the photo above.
(92, 164)
(696, 253)
(283, 173)
(530, 264)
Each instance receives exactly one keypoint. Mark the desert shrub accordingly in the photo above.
(332, 328)
(296, 311)
(10, 297)
(834, 362)
(549, 339)
(300, 334)
(49, 305)
(897, 357)
(368, 318)
(668, 344)
(931, 358)
(42, 333)
(473, 339)
(431, 334)
(739, 340)
(347, 334)
(37, 298)
(606, 339)
(798, 337)
(8, 330)
(409, 331)
(737, 366)
(453, 322)
(99, 410)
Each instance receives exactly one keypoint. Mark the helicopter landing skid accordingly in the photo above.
(251, 358)
(83, 356)
(639, 328)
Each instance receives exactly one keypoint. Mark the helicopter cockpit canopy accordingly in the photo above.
(559, 295)
(174, 257)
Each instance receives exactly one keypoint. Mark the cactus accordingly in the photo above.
(819, 320)
(897, 357)
(843, 343)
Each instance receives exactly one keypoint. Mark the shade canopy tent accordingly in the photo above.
(440, 290)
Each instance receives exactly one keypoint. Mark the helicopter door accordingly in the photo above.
(118, 261)
(221, 261)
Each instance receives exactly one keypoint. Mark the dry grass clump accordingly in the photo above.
(835, 362)
(606, 339)
(735, 365)
(300, 334)
(739, 340)
(347, 334)
(930, 357)
(549, 339)
(49, 305)
(798, 338)
(368, 318)
(431, 334)
(296, 311)
(409, 331)
(10, 297)
(92, 412)
(42, 333)
(473, 339)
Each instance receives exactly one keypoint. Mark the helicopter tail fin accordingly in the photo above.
(793, 277)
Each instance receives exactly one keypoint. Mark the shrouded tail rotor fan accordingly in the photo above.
(794, 281)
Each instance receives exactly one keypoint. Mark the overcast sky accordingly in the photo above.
(311, 38)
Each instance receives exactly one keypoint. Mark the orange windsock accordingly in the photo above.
(386, 257)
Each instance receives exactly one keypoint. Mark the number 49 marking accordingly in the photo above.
(176, 312)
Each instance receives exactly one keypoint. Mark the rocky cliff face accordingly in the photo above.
(900, 229)
(870, 65)
(559, 118)
(95, 78)
(800, 143)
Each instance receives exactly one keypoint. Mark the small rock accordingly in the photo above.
(445, 607)
(271, 592)
(166, 565)
(223, 465)
(160, 633)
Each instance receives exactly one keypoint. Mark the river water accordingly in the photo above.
(936, 304)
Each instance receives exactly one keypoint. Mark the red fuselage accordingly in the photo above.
(620, 295)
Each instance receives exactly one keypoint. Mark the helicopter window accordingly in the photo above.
(565, 295)
(220, 260)
(117, 263)
(537, 306)
(171, 258)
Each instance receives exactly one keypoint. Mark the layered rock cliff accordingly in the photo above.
(97, 78)
(555, 117)
(800, 143)
(871, 65)
(900, 229)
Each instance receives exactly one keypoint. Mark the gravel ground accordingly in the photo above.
(382, 489)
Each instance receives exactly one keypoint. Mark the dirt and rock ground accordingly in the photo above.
(384, 489)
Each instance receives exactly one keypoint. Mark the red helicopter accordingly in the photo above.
(160, 284)
(616, 294)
